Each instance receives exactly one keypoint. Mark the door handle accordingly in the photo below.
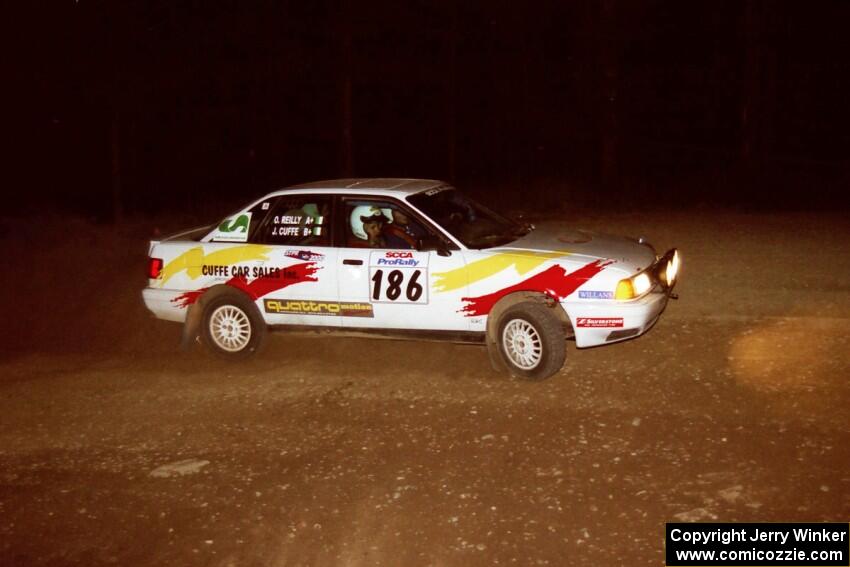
(350, 262)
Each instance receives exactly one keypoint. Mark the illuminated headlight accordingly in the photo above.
(635, 286)
(672, 269)
(641, 283)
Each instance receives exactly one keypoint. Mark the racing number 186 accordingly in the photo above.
(395, 279)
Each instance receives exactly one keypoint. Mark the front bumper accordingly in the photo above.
(607, 322)
(612, 321)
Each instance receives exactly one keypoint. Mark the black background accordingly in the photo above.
(148, 107)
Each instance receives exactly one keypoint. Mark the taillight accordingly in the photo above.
(154, 267)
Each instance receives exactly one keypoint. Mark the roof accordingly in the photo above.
(379, 185)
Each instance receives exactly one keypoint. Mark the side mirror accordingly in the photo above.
(431, 242)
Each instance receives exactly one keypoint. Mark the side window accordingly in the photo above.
(380, 224)
(299, 220)
(242, 226)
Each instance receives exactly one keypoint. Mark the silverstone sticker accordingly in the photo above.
(599, 322)
(590, 294)
(233, 229)
(399, 276)
(325, 308)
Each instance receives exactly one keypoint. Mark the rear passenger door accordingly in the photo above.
(298, 281)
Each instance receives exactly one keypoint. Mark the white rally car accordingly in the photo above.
(405, 258)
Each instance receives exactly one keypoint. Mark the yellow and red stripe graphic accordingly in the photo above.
(522, 262)
(553, 281)
(193, 259)
(258, 287)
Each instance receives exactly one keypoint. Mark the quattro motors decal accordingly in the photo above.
(554, 281)
(310, 307)
(260, 286)
(599, 322)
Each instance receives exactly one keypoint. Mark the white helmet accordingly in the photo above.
(365, 213)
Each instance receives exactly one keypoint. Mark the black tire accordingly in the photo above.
(531, 341)
(232, 327)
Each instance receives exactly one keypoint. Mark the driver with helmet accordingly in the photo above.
(367, 224)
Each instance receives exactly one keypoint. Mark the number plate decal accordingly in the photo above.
(398, 276)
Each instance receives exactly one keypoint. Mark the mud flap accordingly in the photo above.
(191, 327)
(495, 356)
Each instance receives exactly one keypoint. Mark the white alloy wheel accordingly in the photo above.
(531, 340)
(230, 328)
(522, 344)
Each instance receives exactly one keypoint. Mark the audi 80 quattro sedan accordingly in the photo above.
(405, 258)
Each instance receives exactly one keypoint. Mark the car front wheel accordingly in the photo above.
(531, 341)
(232, 327)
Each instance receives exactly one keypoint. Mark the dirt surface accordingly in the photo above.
(115, 448)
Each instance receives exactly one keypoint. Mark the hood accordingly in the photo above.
(628, 254)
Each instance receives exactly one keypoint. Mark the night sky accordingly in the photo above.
(151, 107)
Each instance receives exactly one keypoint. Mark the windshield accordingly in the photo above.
(472, 223)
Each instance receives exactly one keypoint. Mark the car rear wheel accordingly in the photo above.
(232, 327)
(531, 341)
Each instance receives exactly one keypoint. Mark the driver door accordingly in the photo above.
(394, 285)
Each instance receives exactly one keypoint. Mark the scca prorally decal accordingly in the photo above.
(554, 280)
(192, 261)
(311, 307)
(589, 294)
(599, 322)
(305, 255)
(257, 288)
(522, 262)
(397, 259)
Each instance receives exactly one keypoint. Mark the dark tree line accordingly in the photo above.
(193, 105)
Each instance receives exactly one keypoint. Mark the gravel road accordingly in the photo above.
(115, 448)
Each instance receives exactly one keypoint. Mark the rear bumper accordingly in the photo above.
(162, 303)
(607, 322)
